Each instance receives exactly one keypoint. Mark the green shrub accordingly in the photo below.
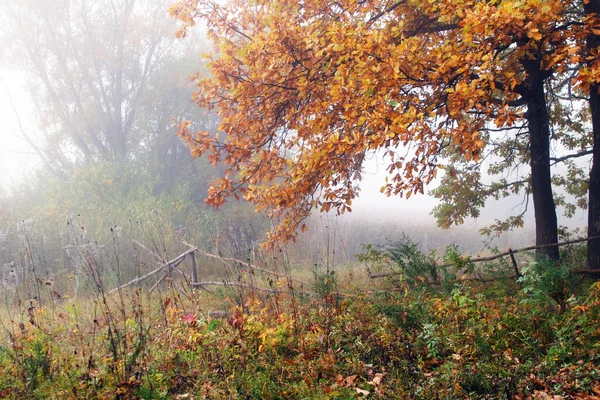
(545, 278)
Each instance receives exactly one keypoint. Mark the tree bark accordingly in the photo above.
(593, 257)
(546, 223)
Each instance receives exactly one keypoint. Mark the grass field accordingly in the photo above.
(344, 336)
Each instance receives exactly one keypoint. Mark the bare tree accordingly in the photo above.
(88, 66)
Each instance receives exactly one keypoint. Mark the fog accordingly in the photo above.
(17, 161)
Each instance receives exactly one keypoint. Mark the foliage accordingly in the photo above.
(427, 334)
(545, 278)
(470, 343)
(412, 263)
(404, 260)
(303, 102)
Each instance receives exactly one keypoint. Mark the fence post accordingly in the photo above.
(194, 273)
(514, 263)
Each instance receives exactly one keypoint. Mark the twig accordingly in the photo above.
(181, 272)
(158, 282)
(383, 275)
(159, 258)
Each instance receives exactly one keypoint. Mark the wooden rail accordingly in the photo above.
(511, 253)
(166, 267)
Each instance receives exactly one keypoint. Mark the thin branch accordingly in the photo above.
(168, 265)
(386, 11)
(138, 279)
(158, 282)
(569, 156)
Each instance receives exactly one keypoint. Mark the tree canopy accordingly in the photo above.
(307, 89)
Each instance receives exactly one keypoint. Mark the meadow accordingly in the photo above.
(436, 326)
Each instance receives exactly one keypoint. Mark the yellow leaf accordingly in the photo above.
(534, 34)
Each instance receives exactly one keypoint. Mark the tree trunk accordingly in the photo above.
(546, 224)
(593, 258)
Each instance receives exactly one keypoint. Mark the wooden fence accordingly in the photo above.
(511, 253)
(168, 267)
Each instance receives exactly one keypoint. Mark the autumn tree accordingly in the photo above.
(501, 171)
(568, 85)
(590, 82)
(307, 89)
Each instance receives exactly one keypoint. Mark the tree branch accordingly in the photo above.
(569, 156)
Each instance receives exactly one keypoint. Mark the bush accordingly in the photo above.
(545, 278)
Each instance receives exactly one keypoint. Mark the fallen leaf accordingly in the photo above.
(349, 381)
(376, 380)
